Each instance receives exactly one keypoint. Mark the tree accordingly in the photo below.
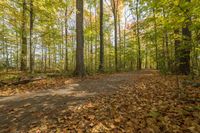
(23, 65)
(101, 65)
(184, 65)
(177, 44)
(155, 36)
(79, 70)
(183, 48)
(139, 62)
(160, 33)
(115, 11)
(66, 40)
(30, 41)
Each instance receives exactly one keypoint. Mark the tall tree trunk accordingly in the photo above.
(87, 48)
(49, 54)
(17, 58)
(155, 37)
(120, 41)
(186, 46)
(5, 45)
(7, 59)
(125, 21)
(23, 62)
(91, 41)
(114, 10)
(139, 62)
(55, 53)
(80, 70)
(146, 56)
(73, 51)
(45, 60)
(101, 65)
(61, 48)
(66, 41)
(197, 53)
(177, 44)
(116, 45)
(96, 36)
(166, 44)
(42, 62)
(163, 54)
(30, 41)
(167, 50)
(33, 57)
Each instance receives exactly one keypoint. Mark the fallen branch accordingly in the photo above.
(24, 81)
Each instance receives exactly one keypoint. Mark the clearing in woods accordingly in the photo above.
(142, 101)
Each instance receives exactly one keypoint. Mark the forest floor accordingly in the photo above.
(143, 101)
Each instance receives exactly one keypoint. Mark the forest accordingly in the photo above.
(94, 65)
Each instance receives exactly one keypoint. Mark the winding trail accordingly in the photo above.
(21, 111)
(142, 101)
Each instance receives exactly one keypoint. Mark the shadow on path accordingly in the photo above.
(24, 110)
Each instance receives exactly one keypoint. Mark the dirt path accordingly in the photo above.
(143, 101)
(22, 111)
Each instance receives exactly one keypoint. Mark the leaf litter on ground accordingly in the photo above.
(145, 103)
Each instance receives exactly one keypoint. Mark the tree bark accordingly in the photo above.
(114, 10)
(186, 46)
(80, 70)
(23, 62)
(177, 44)
(155, 37)
(139, 62)
(101, 65)
(166, 44)
(66, 41)
(120, 41)
(124, 52)
(30, 41)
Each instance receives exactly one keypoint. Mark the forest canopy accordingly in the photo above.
(88, 36)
